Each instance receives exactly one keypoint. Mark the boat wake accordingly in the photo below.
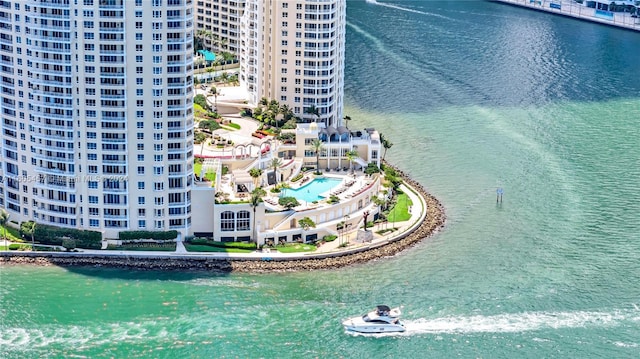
(402, 8)
(513, 323)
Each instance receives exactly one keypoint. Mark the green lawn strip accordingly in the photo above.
(210, 176)
(205, 248)
(231, 126)
(151, 249)
(296, 248)
(400, 211)
(12, 234)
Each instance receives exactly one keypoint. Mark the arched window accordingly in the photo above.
(227, 221)
(242, 223)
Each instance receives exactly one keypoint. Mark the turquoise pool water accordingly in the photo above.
(311, 192)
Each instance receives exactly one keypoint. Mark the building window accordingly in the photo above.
(243, 221)
(140, 200)
(227, 221)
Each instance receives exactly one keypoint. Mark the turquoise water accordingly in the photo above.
(474, 96)
(311, 192)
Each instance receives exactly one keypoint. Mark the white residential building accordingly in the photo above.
(96, 106)
(221, 18)
(293, 51)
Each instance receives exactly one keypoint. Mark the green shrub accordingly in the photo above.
(157, 235)
(371, 168)
(12, 233)
(329, 238)
(297, 178)
(14, 246)
(333, 199)
(47, 234)
(288, 202)
(210, 125)
(237, 245)
(69, 243)
(202, 101)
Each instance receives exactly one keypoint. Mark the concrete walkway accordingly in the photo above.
(418, 212)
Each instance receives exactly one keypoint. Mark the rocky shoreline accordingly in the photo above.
(432, 223)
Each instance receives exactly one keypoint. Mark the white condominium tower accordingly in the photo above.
(220, 20)
(292, 51)
(97, 122)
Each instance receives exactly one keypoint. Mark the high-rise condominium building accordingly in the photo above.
(220, 21)
(291, 51)
(97, 123)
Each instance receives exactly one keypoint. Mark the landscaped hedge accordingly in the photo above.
(46, 234)
(238, 245)
(329, 238)
(298, 177)
(157, 235)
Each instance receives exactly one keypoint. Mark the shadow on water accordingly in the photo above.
(147, 274)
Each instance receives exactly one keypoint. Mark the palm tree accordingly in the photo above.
(346, 121)
(214, 91)
(313, 110)
(287, 112)
(351, 155)
(255, 173)
(306, 223)
(284, 186)
(379, 202)
(4, 218)
(30, 228)
(275, 163)
(386, 144)
(254, 202)
(317, 146)
(227, 57)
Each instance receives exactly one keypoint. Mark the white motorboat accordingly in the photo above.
(380, 320)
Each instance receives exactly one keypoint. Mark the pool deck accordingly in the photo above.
(576, 10)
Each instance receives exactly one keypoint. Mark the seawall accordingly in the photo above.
(575, 10)
(428, 225)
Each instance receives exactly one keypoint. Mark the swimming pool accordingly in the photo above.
(312, 191)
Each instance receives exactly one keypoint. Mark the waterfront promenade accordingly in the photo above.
(576, 10)
(427, 217)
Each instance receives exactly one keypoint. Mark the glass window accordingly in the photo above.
(227, 221)
(243, 221)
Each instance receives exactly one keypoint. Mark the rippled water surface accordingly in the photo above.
(474, 95)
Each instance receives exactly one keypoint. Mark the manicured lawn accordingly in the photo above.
(205, 248)
(154, 249)
(210, 176)
(12, 234)
(400, 212)
(296, 247)
(231, 126)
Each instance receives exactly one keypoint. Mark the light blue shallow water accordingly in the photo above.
(474, 95)
(311, 191)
